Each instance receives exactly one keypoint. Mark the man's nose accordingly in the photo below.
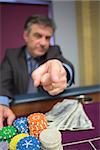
(43, 41)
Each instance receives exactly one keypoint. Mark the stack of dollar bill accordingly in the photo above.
(68, 115)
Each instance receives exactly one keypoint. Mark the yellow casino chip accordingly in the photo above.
(15, 140)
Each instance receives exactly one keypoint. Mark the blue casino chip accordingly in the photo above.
(21, 124)
(28, 143)
(22, 128)
(19, 121)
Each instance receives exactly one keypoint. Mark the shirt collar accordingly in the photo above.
(29, 56)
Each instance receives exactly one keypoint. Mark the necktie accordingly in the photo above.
(33, 66)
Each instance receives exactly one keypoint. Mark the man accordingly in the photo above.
(33, 67)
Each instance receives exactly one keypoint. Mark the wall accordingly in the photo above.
(13, 15)
(66, 34)
(88, 27)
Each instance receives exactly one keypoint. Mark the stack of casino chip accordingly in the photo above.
(37, 123)
(28, 143)
(4, 145)
(7, 133)
(21, 125)
(51, 139)
(0, 135)
(15, 140)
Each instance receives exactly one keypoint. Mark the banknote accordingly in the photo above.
(68, 115)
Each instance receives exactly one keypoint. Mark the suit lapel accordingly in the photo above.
(23, 72)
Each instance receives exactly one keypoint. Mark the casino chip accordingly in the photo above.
(8, 132)
(37, 123)
(21, 125)
(0, 135)
(50, 139)
(36, 117)
(4, 146)
(15, 140)
(28, 143)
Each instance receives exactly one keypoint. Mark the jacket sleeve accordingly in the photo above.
(6, 78)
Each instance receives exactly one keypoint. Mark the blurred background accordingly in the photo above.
(77, 33)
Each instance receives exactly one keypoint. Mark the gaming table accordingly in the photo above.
(72, 140)
(87, 139)
(43, 102)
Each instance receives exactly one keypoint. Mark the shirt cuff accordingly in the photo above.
(4, 100)
(69, 70)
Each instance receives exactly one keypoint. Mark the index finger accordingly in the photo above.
(38, 73)
(55, 70)
(46, 79)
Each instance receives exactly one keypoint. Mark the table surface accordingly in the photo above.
(87, 139)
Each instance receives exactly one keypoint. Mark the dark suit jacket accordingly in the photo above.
(14, 71)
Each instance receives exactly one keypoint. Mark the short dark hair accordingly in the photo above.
(39, 19)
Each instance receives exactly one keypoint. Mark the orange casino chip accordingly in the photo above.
(35, 133)
(36, 117)
(37, 123)
(37, 127)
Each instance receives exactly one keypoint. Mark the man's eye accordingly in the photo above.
(37, 35)
(48, 38)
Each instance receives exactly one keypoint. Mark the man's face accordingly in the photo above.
(38, 39)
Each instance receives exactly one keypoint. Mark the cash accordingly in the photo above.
(68, 115)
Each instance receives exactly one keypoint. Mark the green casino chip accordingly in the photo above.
(0, 135)
(0, 140)
(8, 132)
(8, 140)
